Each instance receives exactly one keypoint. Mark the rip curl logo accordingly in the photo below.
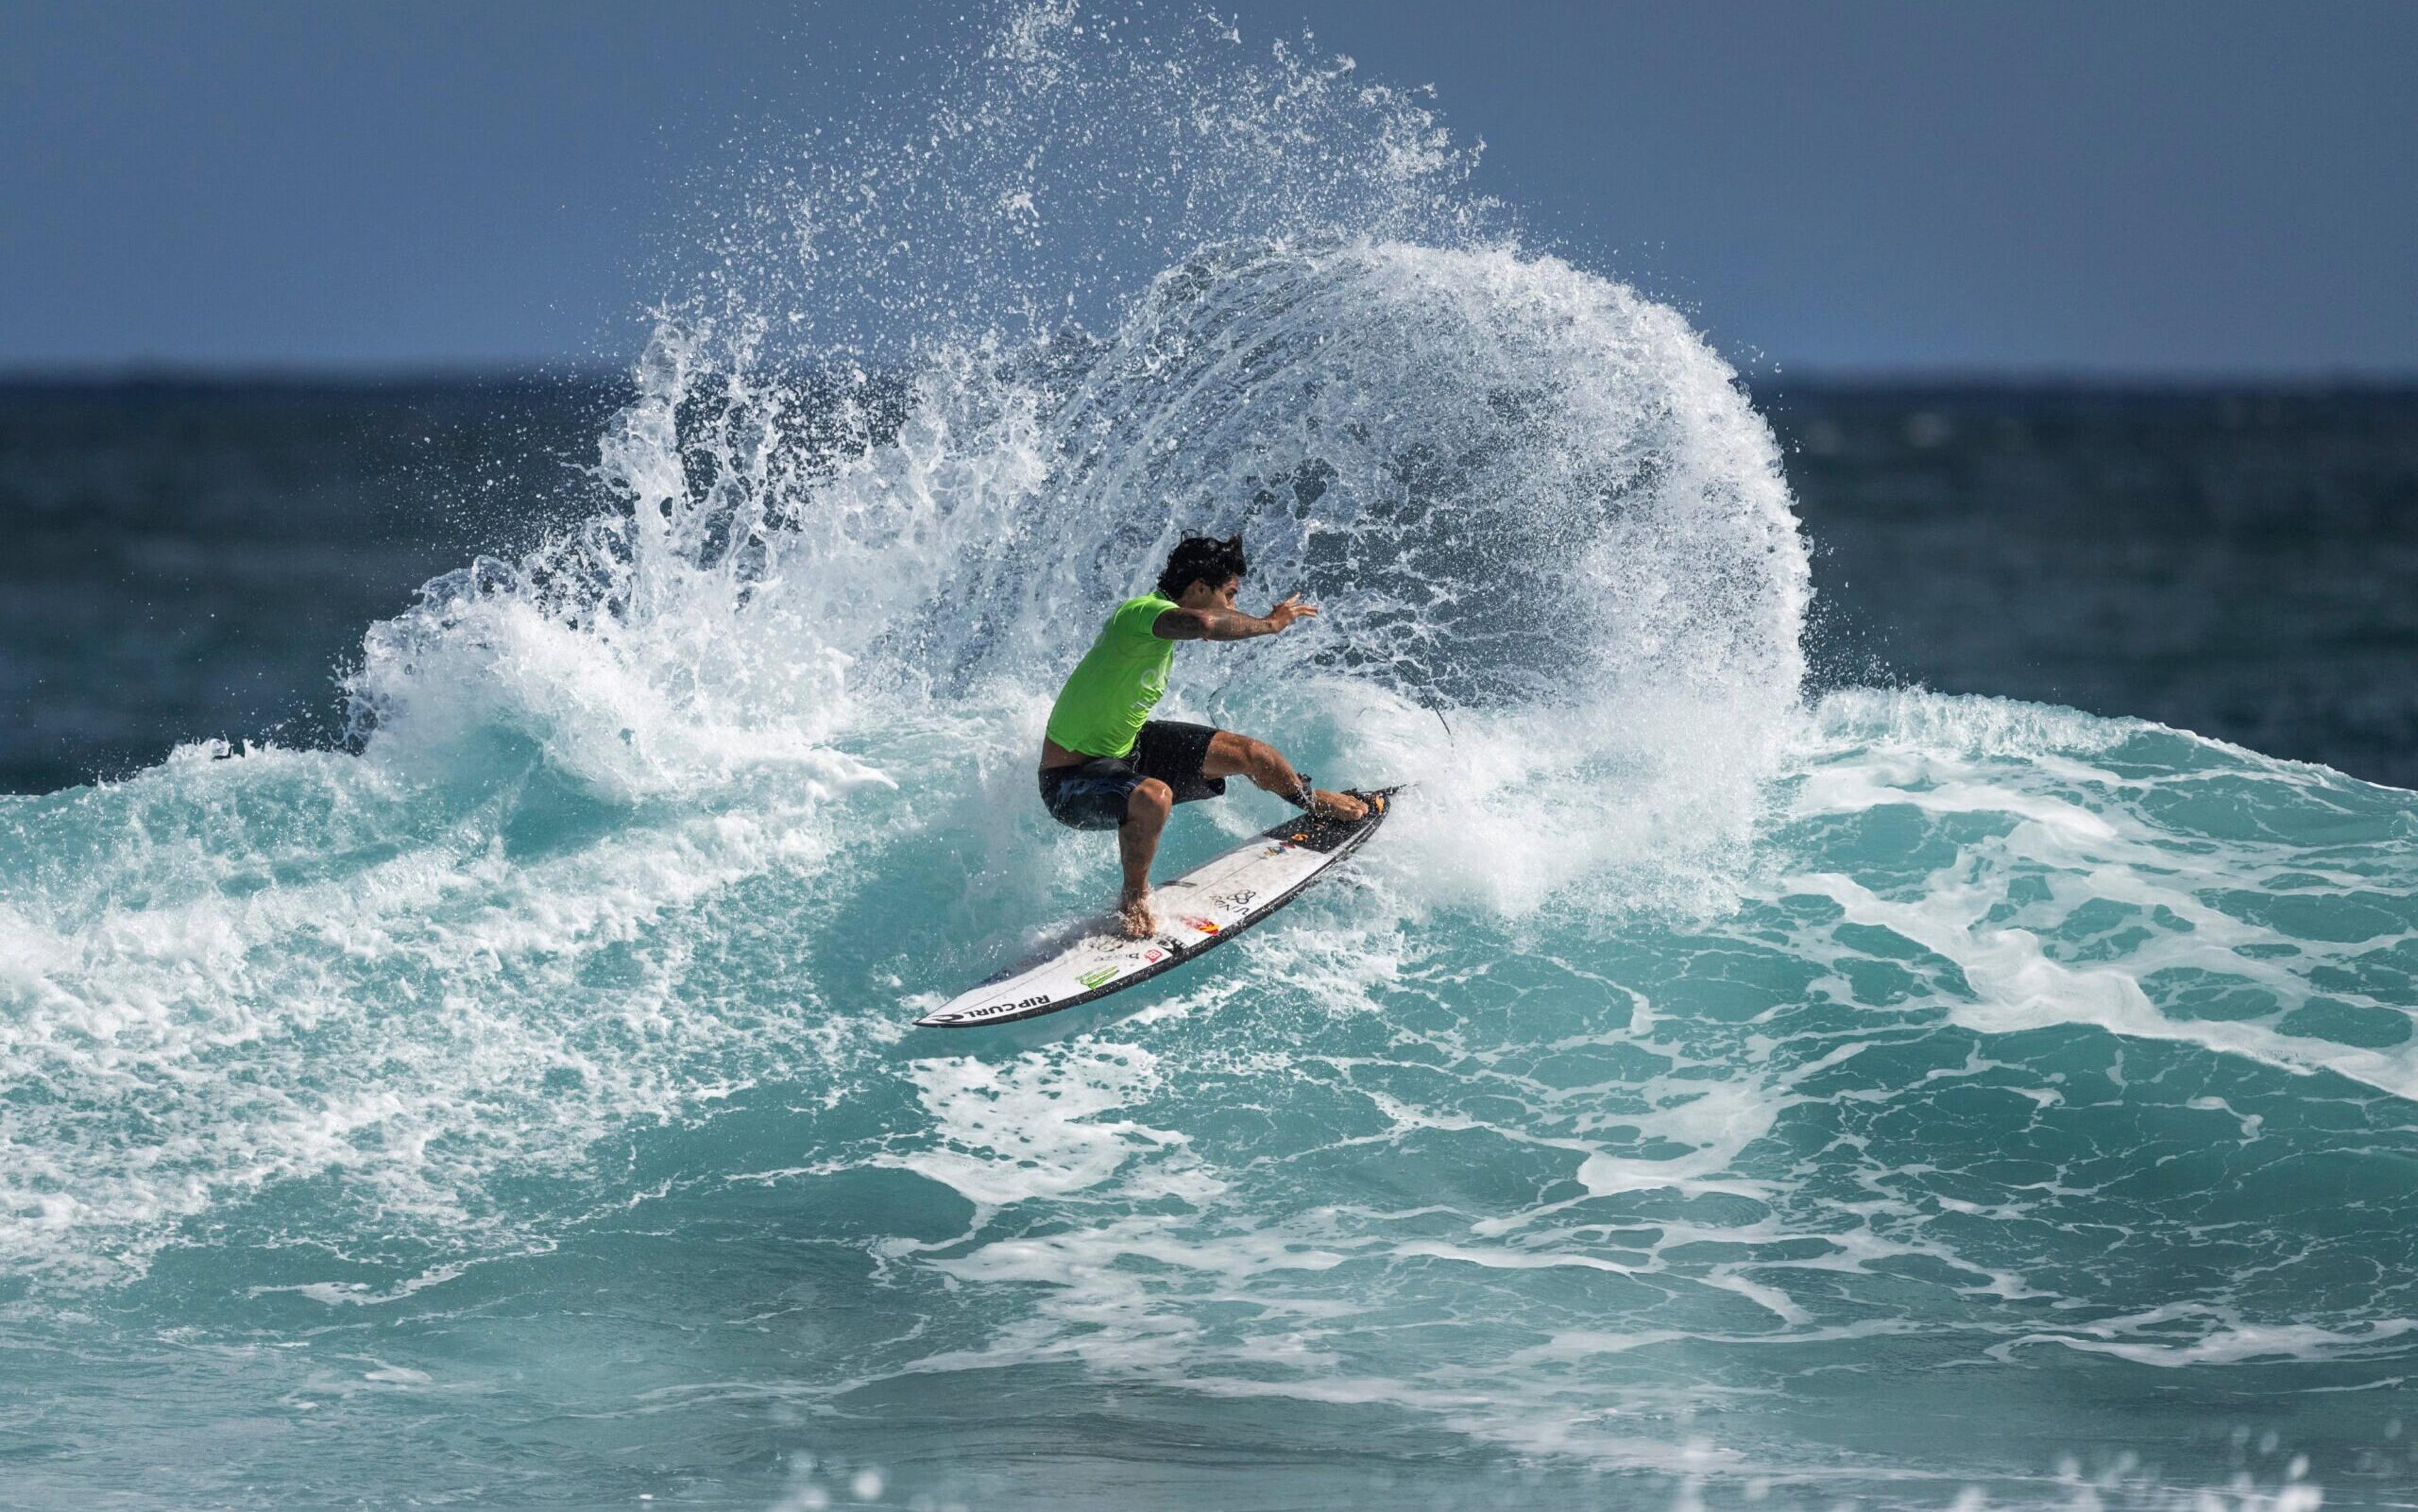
(994, 1010)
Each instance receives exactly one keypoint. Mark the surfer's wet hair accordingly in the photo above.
(1203, 559)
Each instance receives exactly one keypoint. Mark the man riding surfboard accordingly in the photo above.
(1106, 765)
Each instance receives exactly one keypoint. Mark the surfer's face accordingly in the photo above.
(1202, 595)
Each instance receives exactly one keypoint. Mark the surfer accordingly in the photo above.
(1106, 765)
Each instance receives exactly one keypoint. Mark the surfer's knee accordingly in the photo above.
(1228, 753)
(1150, 799)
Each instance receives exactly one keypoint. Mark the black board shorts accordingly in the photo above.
(1092, 796)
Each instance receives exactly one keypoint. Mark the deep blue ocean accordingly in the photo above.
(1892, 987)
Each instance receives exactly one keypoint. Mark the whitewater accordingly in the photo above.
(1703, 1092)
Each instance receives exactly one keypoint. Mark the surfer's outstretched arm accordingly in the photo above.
(1214, 623)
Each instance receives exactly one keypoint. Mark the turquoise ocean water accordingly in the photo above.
(1705, 1094)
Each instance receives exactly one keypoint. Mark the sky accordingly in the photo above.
(2151, 188)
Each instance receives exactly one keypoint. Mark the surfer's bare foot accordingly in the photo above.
(1134, 915)
(1338, 806)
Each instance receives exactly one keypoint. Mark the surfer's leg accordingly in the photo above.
(1233, 755)
(1146, 810)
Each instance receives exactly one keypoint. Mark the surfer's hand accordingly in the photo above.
(1290, 610)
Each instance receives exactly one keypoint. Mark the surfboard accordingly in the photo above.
(1196, 913)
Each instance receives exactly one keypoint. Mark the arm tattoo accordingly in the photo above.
(1209, 624)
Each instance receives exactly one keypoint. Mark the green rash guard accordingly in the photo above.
(1114, 687)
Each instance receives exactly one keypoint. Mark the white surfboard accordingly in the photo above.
(1200, 911)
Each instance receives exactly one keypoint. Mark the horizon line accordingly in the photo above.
(145, 372)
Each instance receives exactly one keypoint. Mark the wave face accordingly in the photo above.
(1695, 1094)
